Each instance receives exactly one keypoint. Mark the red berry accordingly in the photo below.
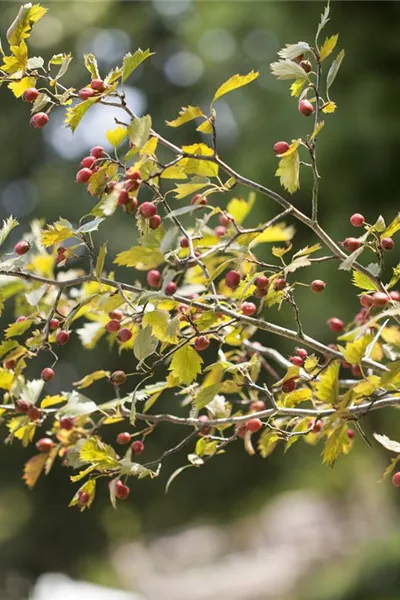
(30, 94)
(122, 491)
(67, 423)
(396, 479)
(279, 284)
(54, 324)
(357, 220)
(62, 337)
(351, 244)
(380, 299)
(45, 445)
(113, 325)
(289, 385)
(47, 374)
(318, 285)
(297, 361)
(97, 84)
(257, 405)
(201, 343)
(154, 278)
(184, 242)
(83, 175)
(33, 413)
(148, 209)
(350, 434)
(155, 222)
(306, 65)
(387, 243)
(22, 248)
(317, 426)
(97, 152)
(204, 430)
(261, 282)
(88, 162)
(116, 314)
(281, 147)
(170, 288)
(335, 324)
(10, 364)
(83, 498)
(123, 198)
(224, 220)
(253, 425)
(306, 108)
(220, 231)
(232, 279)
(39, 120)
(198, 199)
(366, 300)
(134, 175)
(132, 185)
(395, 296)
(123, 438)
(248, 308)
(119, 377)
(124, 335)
(137, 447)
(241, 431)
(302, 352)
(86, 93)
(21, 406)
(299, 58)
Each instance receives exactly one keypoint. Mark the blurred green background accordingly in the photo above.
(198, 45)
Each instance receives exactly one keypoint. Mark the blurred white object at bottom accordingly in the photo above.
(57, 585)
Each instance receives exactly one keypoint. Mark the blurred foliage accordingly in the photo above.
(358, 165)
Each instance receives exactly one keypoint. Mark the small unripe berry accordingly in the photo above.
(22, 247)
(351, 244)
(122, 491)
(350, 434)
(306, 65)
(123, 438)
(198, 199)
(318, 285)
(10, 364)
(54, 324)
(97, 151)
(395, 296)
(137, 447)
(279, 284)
(302, 352)
(380, 299)
(118, 377)
(257, 405)
(22, 406)
(62, 337)
(30, 94)
(261, 282)
(396, 479)
(201, 343)
(232, 279)
(335, 324)
(289, 385)
(241, 431)
(39, 120)
(83, 175)
(133, 174)
(97, 84)
(116, 314)
(155, 222)
(33, 413)
(387, 243)
(299, 58)
(220, 231)
(124, 335)
(83, 498)
(253, 425)
(45, 445)
(248, 308)
(357, 220)
(306, 108)
(148, 209)
(123, 198)
(88, 162)
(184, 242)
(170, 288)
(154, 278)
(85, 93)
(297, 361)
(224, 220)
(113, 326)
(47, 374)
(366, 300)
(281, 147)
(66, 423)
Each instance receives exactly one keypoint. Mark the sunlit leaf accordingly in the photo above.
(33, 469)
(333, 71)
(21, 27)
(132, 61)
(88, 380)
(186, 364)
(139, 257)
(186, 114)
(327, 388)
(236, 81)
(328, 46)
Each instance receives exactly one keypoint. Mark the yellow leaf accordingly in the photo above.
(327, 387)
(97, 452)
(89, 487)
(317, 129)
(18, 61)
(186, 364)
(392, 228)
(238, 208)
(205, 127)
(19, 87)
(311, 363)
(56, 233)
(328, 46)
(337, 444)
(291, 373)
(294, 398)
(174, 172)
(150, 147)
(22, 430)
(6, 379)
(21, 27)
(236, 81)
(355, 351)
(329, 107)
(160, 323)
(297, 86)
(288, 171)
(116, 136)
(391, 335)
(52, 400)
(33, 468)
(88, 380)
(132, 61)
(186, 114)
(363, 282)
(276, 233)
(75, 113)
(17, 328)
(267, 442)
(140, 257)
(199, 167)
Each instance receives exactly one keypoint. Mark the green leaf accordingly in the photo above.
(16, 329)
(132, 61)
(288, 171)
(267, 442)
(140, 257)
(392, 228)
(139, 130)
(186, 114)
(91, 225)
(205, 395)
(337, 444)
(97, 452)
(101, 260)
(327, 388)
(75, 113)
(160, 323)
(77, 405)
(21, 27)
(8, 225)
(363, 282)
(292, 51)
(186, 364)
(355, 351)
(185, 189)
(328, 46)
(64, 66)
(395, 277)
(145, 343)
(116, 136)
(349, 261)
(323, 21)
(333, 71)
(91, 65)
(288, 69)
(294, 398)
(235, 82)
(7, 346)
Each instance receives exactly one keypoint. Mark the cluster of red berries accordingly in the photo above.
(351, 244)
(39, 119)
(97, 87)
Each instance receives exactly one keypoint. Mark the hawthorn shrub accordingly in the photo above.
(200, 287)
